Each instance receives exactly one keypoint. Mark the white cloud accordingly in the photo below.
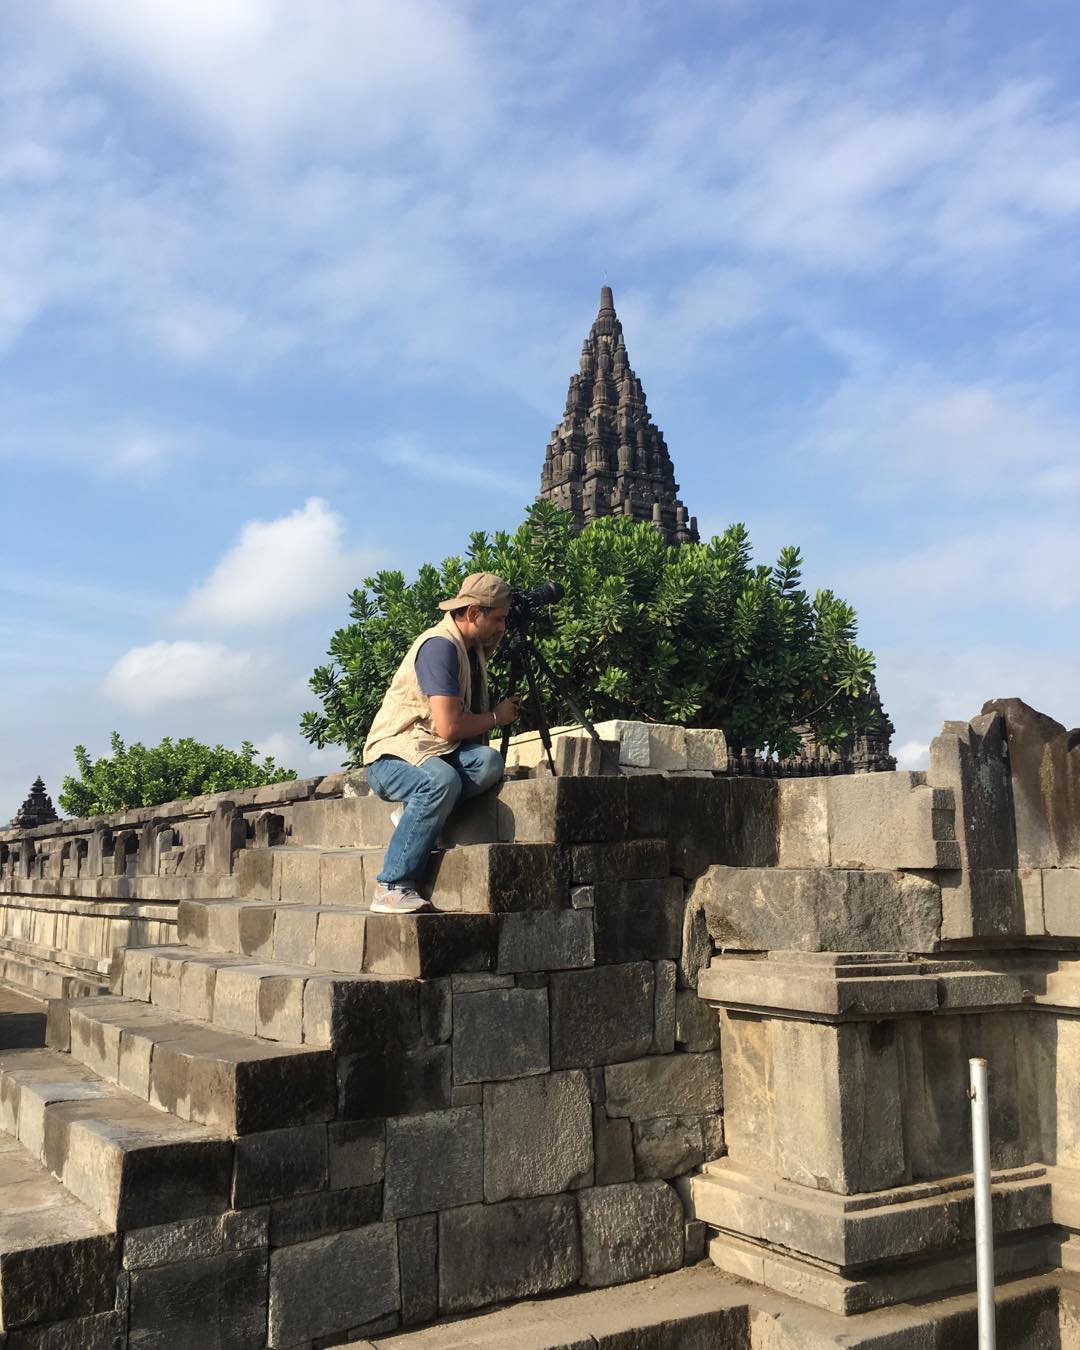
(289, 750)
(912, 755)
(278, 569)
(164, 673)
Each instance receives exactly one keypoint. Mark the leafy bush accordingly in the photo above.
(695, 635)
(172, 771)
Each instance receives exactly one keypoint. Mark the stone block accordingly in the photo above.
(664, 1008)
(660, 1085)
(365, 1013)
(218, 1303)
(537, 1136)
(315, 1289)
(667, 1146)
(601, 1015)
(1061, 901)
(613, 1149)
(425, 945)
(697, 1026)
(339, 940)
(516, 1249)
(192, 1239)
(500, 1033)
(297, 876)
(1044, 765)
(563, 810)
(418, 1261)
(762, 909)
(803, 822)
(549, 940)
(344, 877)
(647, 804)
(434, 1161)
(638, 920)
(733, 821)
(294, 934)
(630, 860)
(499, 878)
(304, 1217)
(891, 821)
(197, 981)
(70, 1275)
(706, 749)
(376, 1083)
(356, 1153)
(136, 974)
(278, 1164)
(629, 1232)
(254, 872)
(254, 929)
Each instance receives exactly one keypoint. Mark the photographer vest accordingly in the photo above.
(403, 725)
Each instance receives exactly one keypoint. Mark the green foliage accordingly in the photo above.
(695, 635)
(172, 771)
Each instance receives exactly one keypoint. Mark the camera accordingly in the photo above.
(526, 605)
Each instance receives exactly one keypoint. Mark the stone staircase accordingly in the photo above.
(297, 1090)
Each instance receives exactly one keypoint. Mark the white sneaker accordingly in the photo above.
(395, 816)
(401, 899)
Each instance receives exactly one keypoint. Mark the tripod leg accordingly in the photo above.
(579, 716)
(541, 720)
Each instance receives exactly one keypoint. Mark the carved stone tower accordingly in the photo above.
(607, 457)
(36, 810)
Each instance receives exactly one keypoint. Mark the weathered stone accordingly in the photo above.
(217, 1303)
(629, 1232)
(71, 1274)
(638, 920)
(302, 1218)
(294, 934)
(1044, 765)
(537, 1136)
(1061, 901)
(418, 1253)
(602, 1015)
(721, 820)
(516, 1249)
(657, 1086)
(344, 877)
(697, 1026)
(500, 878)
(667, 1146)
(757, 909)
(889, 821)
(393, 1082)
(500, 1033)
(613, 1148)
(315, 1289)
(193, 1239)
(553, 940)
(339, 941)
(630, 860)
(424, 945)
(102, 1331)
(357, 1152)
(278, 1164)
(647, 800)
(664, 1008)
(563, 810)
(434, 1161)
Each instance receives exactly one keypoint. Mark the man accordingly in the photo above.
(427, 746)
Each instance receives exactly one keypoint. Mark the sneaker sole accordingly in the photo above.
(377, 907)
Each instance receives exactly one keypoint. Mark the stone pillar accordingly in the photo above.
(226, 833)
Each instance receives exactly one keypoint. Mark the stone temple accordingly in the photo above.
(607, 457)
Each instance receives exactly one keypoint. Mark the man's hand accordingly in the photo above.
(506, 710)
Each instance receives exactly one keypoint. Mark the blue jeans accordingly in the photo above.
(430, 792)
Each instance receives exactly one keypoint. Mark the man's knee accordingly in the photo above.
(443, 784)
(489, 768)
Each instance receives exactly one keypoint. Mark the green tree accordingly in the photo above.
(140, 775)
(695, 635)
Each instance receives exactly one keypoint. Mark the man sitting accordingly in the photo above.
(427, 746)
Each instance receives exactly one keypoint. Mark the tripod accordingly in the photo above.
(526, 659)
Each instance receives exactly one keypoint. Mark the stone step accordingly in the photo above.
(222, 1079)
(413, 946)
(58, 1260)
(364, 822)
(478, 878)
(272, 1001)
(48, 979)
(129, 1163)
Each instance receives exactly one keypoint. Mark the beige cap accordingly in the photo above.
(481, 588)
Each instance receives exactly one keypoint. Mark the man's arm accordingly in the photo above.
(455, 723)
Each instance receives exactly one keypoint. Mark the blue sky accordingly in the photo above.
(290, 292)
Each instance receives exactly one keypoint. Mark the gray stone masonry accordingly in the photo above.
(646, 1018)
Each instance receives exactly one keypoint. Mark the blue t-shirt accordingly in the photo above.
(437, 671)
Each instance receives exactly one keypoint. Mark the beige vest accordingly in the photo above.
(403, 725)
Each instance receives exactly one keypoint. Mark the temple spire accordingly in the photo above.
(36, 810)
(607, 457)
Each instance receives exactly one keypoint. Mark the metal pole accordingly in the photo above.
(984, 1222)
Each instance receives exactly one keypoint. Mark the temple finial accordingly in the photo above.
(606, 299)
